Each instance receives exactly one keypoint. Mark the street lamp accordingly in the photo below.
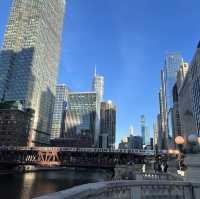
(179, 140)
(198, 140)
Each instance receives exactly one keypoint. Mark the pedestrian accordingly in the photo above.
(159, 167)
(165, 167)
(156, 166)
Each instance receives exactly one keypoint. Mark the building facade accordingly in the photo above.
(29, 60)
(59, 111)
(98, 87)
(177, 129)
(195, 85)
(188, 124)
(107, 125)
(81, 115)
(143, 129)
(155, 131)
(135, 142)
(15, 124)
(168, 79)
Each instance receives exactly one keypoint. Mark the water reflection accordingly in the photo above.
(29, 185)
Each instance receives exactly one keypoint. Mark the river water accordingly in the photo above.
(32, 184)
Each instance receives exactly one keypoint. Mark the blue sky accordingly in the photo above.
(127, 40)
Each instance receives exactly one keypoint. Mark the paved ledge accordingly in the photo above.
(129, 189)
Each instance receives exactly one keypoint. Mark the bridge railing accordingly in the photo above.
(73, 149)
(130, 190)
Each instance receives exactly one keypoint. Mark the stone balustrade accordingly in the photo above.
(130, 189)
(158, 176)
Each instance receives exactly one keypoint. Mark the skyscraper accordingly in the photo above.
(195, 75)
(29, 60)
(81, 115)
(155, 129)
(143, 128)
(130, 130)
(98, 87)
(147, 136)
(59, 111)
(168, 79)
(108, 125)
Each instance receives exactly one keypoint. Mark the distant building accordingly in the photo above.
(123, 144)
(177, 130)
(151, 143)
(15, 124)
(163, 115)
(107, 125)
(76, 141)
(195, 85)
(131, 130)
(98, 87)
(160, 132)
(181, 74)
(143, 130)
(81, 115)
(59, 111)
(135, 142)
(155, 130)
(147, 136)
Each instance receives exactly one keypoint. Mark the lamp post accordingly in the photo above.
(179, 140)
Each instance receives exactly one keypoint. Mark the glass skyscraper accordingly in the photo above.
(143, 129)
(168, 79)
(81, 115)
(108, 125)
(29, 60)
(60, 106)
(195, 73)
(98, 87)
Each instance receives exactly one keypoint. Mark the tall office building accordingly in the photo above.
(143, 129)
(130, 130)
(177, 130)
(134, 142)
(81, 115)
(159, 141)
(195, 75)
(181, 74)
(185, 103)
(168, 79)
(29, 60)
(155, 130)
(98, 87)
(59, 111)
(107, 125)
(147, 136)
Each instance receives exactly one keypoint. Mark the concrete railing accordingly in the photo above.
(130, 189)
(158, 176)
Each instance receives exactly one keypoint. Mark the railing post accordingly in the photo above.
(136, 192)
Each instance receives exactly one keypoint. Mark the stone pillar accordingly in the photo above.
(192, 162)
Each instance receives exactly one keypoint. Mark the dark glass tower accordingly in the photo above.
(29, 60)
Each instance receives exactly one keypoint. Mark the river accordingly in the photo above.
(32, 184)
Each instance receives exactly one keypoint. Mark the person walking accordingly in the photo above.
(165, 167)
